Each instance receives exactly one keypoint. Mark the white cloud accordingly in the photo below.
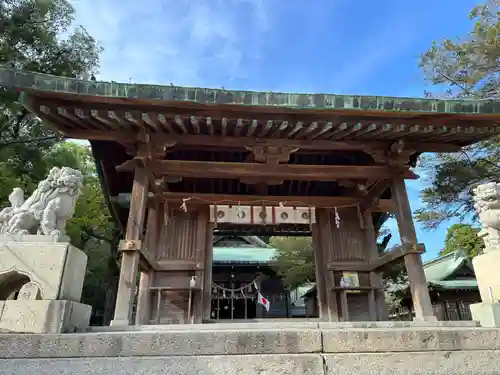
(186, 42)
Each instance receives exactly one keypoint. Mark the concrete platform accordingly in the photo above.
(284, 324)
(257, 349)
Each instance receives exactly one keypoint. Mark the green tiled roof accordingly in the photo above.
(243, 254)
(437, 271)
(44, 82)
(443, 267)
(455, 284)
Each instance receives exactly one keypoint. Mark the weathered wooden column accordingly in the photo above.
(325, 246)
(414, 267)
(143, 309)
(142, 312)
(320, 272)
(130, 249)
(382, 312)
(207, 273)
(200, 254)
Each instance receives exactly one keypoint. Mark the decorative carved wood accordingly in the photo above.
(268, 155)
(271, 154)
(397, 155)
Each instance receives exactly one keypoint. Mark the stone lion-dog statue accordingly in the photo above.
(487, 205)
(48, 209)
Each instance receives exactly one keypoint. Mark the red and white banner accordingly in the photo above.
(263, 301)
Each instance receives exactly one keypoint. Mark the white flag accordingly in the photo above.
(263, 301)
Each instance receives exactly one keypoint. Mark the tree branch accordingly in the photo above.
(93, 234)
(29, 140)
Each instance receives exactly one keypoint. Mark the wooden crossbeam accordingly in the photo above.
(384, 205)
(396, 254)
(377, 189)
(209, 169)
(199, 140)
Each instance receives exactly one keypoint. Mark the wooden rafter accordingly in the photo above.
(244, 142)
(208, 169)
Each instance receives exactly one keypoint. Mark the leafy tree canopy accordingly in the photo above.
(463, 237)
(34, 36)
(295, 259)
(467, 67)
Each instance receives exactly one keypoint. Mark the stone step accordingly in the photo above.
(407, 363)
(284, 324)
(191, 342)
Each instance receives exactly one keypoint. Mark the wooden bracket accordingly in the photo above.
(396, 155)
(267, 155)
(271, 154)
(152, 147)
(130, 245)
(373, 194)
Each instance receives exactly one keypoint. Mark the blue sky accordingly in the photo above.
(332, 46)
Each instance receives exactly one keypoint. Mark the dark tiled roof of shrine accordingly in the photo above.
(73, 105)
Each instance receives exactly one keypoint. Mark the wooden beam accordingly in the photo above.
(395, 255)
(349, 266)
(385, 205)
(293, 172)
(377, 189)
(242, 142)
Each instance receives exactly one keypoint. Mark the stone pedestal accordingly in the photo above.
(41, 285)
(487, 314)
(486, 265)
(488, 278)
(44, 316)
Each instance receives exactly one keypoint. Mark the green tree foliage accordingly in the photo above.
(295, 259)
(32, 38)
(35, 35)
(464, 68)
(463, 237)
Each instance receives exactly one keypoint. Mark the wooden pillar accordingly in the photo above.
(325, 226)
(320, 271)
(130, 259)
(155, 219)
(143, 311)
(381, 311)
(207, 273)
(414, 267)
(201, 246)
